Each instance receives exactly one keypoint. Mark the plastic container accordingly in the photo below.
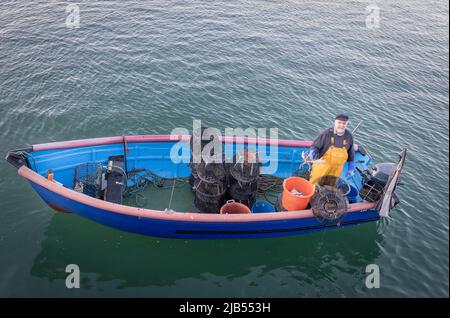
(232, 207)
(344, 187)
(353, 195)
(262, 206)
(292, 202)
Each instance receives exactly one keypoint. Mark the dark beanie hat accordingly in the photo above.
(342, 117)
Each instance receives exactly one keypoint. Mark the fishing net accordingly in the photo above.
(238, 192)
(279, 204)
(270, 187)
(303, 171)
(141, 179)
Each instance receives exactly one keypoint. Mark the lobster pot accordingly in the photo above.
(211, 172)
(209, 197)
(329, 206)
(243, 193)
(245, 168)
(371, 190)
(202, 142)
(87, 179)
(243, 174)
(192, 181)
(208, 207)
(209, 183)
(209, 192)
(194, 176)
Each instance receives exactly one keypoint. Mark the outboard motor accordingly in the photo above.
(380, 182)
(374, 181)
(380, 172)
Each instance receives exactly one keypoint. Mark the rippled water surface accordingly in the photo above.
(146, 67)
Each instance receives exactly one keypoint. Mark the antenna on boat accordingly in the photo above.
(363, 146)
(125, 151)
(356, 127)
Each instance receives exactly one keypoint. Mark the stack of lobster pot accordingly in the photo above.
(208, 181)
(210, 187)
(244, 174)
(196, 158)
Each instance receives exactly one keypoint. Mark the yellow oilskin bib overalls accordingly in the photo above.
(334, 158)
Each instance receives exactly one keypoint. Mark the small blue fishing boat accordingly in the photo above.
(51, 169)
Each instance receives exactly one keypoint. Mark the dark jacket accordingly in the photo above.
(323, 142)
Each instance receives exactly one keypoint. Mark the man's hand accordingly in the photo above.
(308, 156)
(350, 170)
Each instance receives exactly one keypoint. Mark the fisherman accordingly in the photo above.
(330, 151)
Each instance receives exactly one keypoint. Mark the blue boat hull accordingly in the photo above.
(154, 153)
(194, 229)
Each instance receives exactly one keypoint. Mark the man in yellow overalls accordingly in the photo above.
(330, 151)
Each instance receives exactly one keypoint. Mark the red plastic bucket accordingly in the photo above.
(232, 207)
(293, 202)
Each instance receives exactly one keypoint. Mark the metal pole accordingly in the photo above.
(125, 150)
(171, 195)
(356, 127)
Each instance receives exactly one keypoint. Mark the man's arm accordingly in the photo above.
(351, 150)
(317, 146)
(351, 159)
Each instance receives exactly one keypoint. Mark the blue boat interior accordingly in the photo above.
(156, 157)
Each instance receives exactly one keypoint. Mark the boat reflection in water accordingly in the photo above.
(117, 263)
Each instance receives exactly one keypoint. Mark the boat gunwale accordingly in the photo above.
(158, 214)
(70, 194)
(169, 215)
(165, 138)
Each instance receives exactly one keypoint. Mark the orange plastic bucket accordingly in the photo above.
(232, 207)
(293, 202)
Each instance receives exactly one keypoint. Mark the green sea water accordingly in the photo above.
(147, 67)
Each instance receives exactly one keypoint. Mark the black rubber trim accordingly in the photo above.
(17, 158)
(306, 228)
